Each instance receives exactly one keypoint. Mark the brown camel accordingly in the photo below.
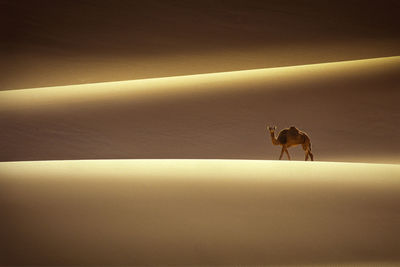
(291, 137)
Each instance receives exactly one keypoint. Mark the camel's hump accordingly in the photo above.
(293, 130)
(282, 137)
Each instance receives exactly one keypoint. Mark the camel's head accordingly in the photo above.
(271, 129)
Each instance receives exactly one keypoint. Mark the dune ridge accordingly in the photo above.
(134, 133)
(123, 40)
(203, 212)
(349, 109)
(98, 87)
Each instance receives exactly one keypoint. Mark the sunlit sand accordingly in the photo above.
(207, 212)
(148, 133)
(349, 109)
(178, 86)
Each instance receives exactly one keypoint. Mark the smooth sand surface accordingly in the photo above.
(63, 42)
(168, 161)
(203, 212)
(349, 109)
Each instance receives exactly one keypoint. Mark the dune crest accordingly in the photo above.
(203, 212)
(350, 109)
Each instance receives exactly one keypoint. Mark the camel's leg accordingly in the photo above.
(287, 153)
(311, 155)
(307, 149)
(283, 149)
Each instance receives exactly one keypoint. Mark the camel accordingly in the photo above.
(291, 137)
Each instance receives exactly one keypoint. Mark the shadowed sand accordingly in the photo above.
(122, 40)
(109, 211)
(204, 212)
(349, 109)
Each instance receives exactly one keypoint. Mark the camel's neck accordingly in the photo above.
(273, 139)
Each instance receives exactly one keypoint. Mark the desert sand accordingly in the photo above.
(134, 133)
(137, 205)
(349, 109)
(199, 212)
(63, 43)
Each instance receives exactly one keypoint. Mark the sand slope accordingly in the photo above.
(205, 212)
(349, 109)
(64, 42)
(41, 45)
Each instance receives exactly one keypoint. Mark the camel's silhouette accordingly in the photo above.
(291, 137)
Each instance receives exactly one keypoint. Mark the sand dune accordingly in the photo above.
(41, 45)
(204, 212)
(152, 149)
(349, 109)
